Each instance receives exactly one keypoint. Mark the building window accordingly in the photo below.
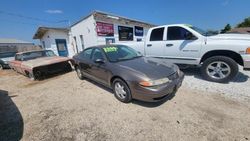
(76, 44)
(157, 34)
(125, 33)
(43, 44)
(82, 41)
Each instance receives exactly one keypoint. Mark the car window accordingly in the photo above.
(86, 54)
(7, 54)
(177, 33)
(18, 57)
(97, 54)
(157, 34)
(120, 53)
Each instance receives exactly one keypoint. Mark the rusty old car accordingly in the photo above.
(38, 64)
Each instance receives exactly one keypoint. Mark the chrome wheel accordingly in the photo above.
(218, 70)
(120, 90)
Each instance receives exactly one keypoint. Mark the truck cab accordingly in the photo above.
(218, 56)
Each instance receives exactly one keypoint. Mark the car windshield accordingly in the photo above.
(120, 53)
(7, 54)
(37, 54)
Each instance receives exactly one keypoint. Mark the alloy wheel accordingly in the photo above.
(218, 70)
(120, 90)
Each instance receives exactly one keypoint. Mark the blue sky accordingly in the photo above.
(20, 18)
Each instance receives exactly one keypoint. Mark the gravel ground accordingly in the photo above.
(239, 88)
(64, 108)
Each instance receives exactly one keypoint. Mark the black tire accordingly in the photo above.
(79, 73)
(227, 62)
(68, 68)
(127, 97)
(31, 76)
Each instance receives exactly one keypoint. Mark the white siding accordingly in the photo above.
(50, 43)
(86, 28)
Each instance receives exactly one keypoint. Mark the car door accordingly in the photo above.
(16, 64)
(181, 45)
(85, 62)
(99, 69)
(155, 45)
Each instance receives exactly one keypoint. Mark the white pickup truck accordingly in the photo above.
(217, 55)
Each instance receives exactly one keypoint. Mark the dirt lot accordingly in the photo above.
(65, 108)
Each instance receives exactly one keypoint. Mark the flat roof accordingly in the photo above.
(13, 41)
(111, 16)
(42, 30)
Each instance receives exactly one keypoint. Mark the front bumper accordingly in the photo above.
(156, 94)
(246, 62)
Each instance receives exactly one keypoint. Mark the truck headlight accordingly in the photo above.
(6, 62)
(154, 82)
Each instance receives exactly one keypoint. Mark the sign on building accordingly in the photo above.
(104, 29)
(138, 31)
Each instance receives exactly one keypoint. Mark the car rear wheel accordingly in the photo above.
(31, 76)
(219, 69)
(122, 91)
(1, 67)
(79, 73)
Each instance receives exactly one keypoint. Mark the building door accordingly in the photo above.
(82, 42)
(62, 47)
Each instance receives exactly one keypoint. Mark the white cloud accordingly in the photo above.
(225, 2)
(54, 11)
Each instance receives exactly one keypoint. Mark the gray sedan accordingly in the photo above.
(128, 73)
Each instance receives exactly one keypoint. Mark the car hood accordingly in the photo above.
(43, 61)
(230, 37)
(7, 59)
(152, 68)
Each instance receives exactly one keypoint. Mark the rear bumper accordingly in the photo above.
(156, 94)
(246, 62)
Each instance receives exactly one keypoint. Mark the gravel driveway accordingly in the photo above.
(64, 108)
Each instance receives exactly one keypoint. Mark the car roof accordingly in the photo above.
(103, 46)
(31, 51)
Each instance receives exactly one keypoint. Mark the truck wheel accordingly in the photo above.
(219, 69)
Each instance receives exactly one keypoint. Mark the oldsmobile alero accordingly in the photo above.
(128, 73)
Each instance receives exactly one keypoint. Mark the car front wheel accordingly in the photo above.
(122, 91)
(219, 69)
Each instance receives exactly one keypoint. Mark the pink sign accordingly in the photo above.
(104, 29)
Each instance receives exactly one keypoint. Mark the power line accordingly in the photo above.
(26, 17)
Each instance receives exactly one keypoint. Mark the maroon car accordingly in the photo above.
(37, 64)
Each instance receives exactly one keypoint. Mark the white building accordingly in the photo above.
(97, 28)
(56, 39)
(100, 28)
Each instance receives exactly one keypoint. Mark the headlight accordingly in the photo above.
(248, 51)
(5, 62)
(154, 82)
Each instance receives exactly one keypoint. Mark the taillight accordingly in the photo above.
(248, 51)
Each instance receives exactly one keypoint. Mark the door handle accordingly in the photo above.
(169, 45)
(149, 45)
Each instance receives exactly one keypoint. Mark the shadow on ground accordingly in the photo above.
(137, 102)
(11, 121)
(240, 77)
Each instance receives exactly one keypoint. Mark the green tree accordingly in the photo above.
(226, 28)
(245, 23)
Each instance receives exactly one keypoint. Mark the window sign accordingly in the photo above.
(138, 31)
(104, 29)
(125, 33)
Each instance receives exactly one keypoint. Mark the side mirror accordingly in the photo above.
(99, 61)
(190, 36)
